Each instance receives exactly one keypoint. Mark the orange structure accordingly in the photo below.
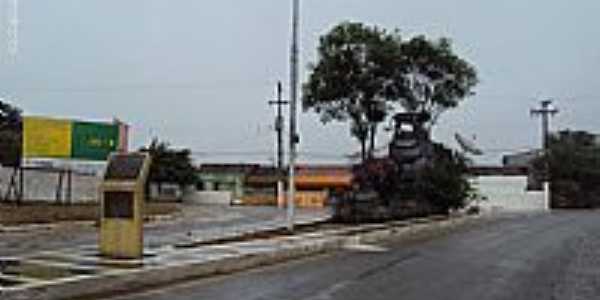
(314, 185)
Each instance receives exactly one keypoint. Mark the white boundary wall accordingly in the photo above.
(509, 193)
(208, 197)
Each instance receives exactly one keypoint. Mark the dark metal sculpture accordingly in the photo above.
(385, 188)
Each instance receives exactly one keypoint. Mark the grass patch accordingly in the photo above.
(43, 213)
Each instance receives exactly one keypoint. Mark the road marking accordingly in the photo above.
(365, 248)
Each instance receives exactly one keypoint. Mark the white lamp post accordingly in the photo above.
(294, 138)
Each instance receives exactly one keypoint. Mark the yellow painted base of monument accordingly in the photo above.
(121, 239)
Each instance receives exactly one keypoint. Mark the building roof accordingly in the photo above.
(521, 159)
(266, 169)
(323, 169)
(307, 177)
(228, 168)
(498, 171)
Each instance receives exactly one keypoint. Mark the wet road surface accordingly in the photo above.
(543, 256)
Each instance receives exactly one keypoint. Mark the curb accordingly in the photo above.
(284, 249)
(42, 227)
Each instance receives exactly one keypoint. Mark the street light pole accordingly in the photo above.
(294, 138)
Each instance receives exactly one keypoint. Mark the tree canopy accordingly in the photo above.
(10, 116)
(352, 79)
(10, 135)
(435, 78)
(363, 71)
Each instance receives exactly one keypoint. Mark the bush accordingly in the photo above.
(572, 164)
(444, 182)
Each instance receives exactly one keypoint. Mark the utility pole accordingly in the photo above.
(546, 111)
(279, 123)
(294, 138)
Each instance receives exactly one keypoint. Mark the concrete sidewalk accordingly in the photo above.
(194, 224)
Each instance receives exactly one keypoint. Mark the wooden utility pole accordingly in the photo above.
(279, 124)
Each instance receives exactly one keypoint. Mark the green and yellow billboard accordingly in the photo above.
(59, 138)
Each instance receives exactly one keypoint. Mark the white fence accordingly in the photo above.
(42, 186)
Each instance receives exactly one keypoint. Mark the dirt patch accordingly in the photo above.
(41, 213)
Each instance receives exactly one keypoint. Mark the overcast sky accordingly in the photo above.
(199, 73)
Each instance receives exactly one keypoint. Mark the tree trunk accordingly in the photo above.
(363, 148)
(373, 132)
(159, 190)
(20, 186)
(182, 193)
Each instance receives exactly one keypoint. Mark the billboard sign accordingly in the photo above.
(67, 139)
(44, 137)
(94, 141)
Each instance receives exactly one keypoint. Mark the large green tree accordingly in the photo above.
(170, 165)
(352, 79)
(434, 77)
(10, 134)
(363, 71)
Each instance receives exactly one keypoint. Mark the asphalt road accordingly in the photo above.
(553, 256)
